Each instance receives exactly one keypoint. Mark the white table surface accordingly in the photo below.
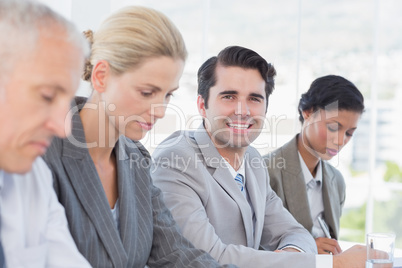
(397, 262)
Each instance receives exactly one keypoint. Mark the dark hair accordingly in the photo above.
(331, 89)
(234, 56)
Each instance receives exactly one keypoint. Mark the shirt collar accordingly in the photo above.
(233, 172)
(306, 173)
(1, 178)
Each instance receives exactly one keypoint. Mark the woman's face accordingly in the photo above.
(326, 132)
(136, 99)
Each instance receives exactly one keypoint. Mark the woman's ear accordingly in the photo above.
(307, 113)
(201, 106)
(99, 74)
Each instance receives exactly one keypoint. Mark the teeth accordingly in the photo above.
(239, 126)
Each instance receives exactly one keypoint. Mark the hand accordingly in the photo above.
(355, 257)
(377, 254)
(327, 246)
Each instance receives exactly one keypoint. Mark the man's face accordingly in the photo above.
(35, 99)
(236, 107)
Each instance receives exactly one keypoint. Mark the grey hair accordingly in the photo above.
(22, 22)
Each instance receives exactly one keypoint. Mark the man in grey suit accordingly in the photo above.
(217, 186)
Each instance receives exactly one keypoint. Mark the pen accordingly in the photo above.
(324, 227)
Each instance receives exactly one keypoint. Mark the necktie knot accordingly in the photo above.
(240, 181)
(313, 183)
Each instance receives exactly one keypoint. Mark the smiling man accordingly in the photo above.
(222, 200)
(217, 185)
(42, 56)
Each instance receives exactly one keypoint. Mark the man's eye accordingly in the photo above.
(48, 96)
(255, 99)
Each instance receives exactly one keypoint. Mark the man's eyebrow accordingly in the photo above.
(229, 92)
(256, 95)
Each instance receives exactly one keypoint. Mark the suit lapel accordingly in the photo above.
(214, 161)
(126, 188)
(222, 175)
(294, 186)
(89, 190)
(331, 201)
(254, 191)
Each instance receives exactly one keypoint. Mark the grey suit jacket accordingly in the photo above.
(148, 234)
(215, 216)
(288, 182)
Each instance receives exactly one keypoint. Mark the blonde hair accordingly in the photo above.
(131, 35)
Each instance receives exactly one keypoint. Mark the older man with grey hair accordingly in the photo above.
(42, 56)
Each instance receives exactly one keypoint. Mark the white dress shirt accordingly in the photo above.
(34, 230)
(314, 195)
(316, 203)
(116, 214)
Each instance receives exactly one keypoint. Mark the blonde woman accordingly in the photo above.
(115, 214)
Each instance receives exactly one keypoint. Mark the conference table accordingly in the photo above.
(398, 262)
(397, 253)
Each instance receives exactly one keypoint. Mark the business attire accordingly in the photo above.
(147, 234)
(214, 214)
(288, 182)
(34, 230)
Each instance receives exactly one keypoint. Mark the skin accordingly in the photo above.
(126, 104)
(323, 135)
(355, 257)
(35, 100)
(236, 111)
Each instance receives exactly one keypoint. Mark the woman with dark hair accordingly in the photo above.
(310, 188)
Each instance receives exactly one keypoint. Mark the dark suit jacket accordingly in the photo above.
(148, 234)
(288, 182)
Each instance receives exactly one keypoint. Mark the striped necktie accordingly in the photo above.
(2, 259)
(240, 181)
